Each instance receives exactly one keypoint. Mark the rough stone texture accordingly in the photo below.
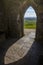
(11, 25)
(11, 17)
(39, 32)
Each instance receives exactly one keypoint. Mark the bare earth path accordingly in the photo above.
(28, 31)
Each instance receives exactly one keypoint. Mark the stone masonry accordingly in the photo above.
(11, 25)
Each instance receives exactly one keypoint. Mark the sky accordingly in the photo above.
(30, 12)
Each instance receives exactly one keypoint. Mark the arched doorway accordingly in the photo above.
(22, 12)
(30, 19)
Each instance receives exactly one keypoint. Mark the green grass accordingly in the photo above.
(30, 24)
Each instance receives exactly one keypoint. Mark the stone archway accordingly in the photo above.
(39, 11)
(22, 10)
(30, 20)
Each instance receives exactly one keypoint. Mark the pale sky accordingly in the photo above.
(30, 12)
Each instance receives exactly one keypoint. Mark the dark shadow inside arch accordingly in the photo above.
(31, 58)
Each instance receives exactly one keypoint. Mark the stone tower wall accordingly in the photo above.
(11, 17)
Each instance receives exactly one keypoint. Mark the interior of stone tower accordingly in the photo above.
(16, 48)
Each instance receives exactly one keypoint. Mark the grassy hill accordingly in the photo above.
(30, 24)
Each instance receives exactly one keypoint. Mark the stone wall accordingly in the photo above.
(39, 30)
(11, 17)
(2, 22)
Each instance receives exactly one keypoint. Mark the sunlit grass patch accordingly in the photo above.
(30, 24)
